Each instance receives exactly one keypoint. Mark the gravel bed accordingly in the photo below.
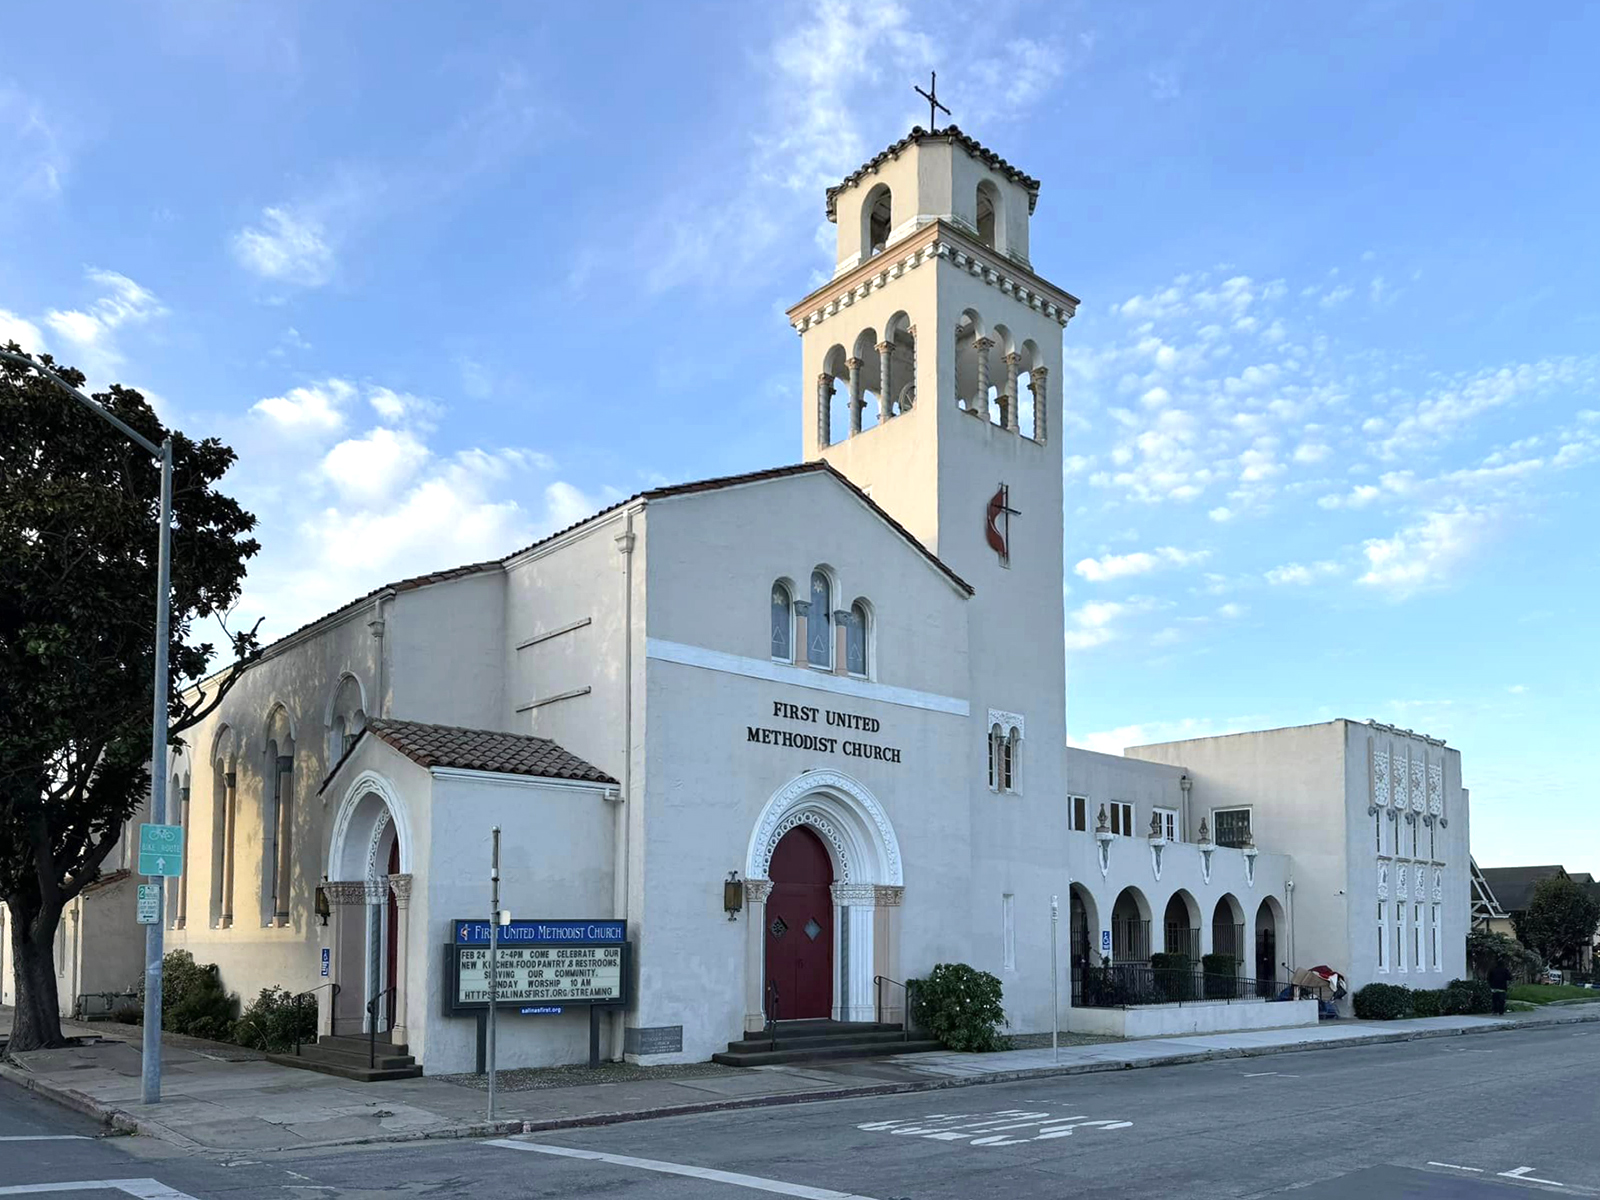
(1041, 1041)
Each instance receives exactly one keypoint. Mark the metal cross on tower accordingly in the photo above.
(932, 97)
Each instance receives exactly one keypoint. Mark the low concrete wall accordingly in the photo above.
(1169, 1020)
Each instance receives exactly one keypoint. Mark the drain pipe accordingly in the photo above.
(1288, 920)
(620, 872)
(377, 626)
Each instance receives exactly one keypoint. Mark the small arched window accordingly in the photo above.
(855, 640)
(1010, 755)
(988, 203)
(819, 622)
(782, 624)
(995, 738)
(878, 211)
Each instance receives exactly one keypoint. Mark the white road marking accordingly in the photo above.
(48, 1137)
(1264, 1074)
(1456, 1167)
(753, 1182)
(144, 1189)
(992, 1129)
(1526, 1174)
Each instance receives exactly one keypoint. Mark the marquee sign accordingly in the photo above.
(540, 966)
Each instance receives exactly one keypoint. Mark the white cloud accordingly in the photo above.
(1113, 741)
(1221, 514)
(567, 505)
(370, 468)
(92, 331)
(1231, 611)
(1118, 566)
(286, 247)
(315, 408)
(25, 333)
(1300, 575)
(33, 158)
(1312, 452)
(1517, 689)
(1421, 555)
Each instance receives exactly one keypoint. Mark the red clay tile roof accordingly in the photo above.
(661, 493)
(481, 750)
(950, 133)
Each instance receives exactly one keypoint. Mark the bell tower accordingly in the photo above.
(930, 354)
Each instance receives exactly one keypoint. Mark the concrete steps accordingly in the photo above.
(815, 1041)
(347, 1058)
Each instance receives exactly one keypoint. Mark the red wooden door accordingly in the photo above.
(800, 926)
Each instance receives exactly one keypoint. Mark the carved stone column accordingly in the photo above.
(285, 766)
(401, 886)
(1038, 379)
(1010, 416)
(885, 398)
(824, 408)
(980, 405)
(855, 928)
(230, 808)
(886, 950)
(841, 634)
(857, 403)
(756, 892)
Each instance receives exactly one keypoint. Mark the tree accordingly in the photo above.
(1560, 919)
(78, 550)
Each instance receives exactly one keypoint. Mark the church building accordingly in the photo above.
(790, 738)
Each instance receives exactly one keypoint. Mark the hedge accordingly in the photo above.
(1382, 1002)
(960, 1006)
(1394, 1002)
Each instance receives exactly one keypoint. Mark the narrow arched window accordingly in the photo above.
(994, 757)
(988, 202)
(819, 622)
(855, 640)
(1012, 757)
(782, 624)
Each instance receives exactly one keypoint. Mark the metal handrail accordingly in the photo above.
(772, 1006)
(905, 1020)
(333, 998)
(372, 1025)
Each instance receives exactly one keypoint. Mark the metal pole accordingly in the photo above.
(154, 935)
(150, 1075)
(494, 955)
(1055, 982)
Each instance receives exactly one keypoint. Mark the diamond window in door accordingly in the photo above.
(779, 927)
(812, 928)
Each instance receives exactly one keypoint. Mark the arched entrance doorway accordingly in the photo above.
(1266, 948)
(369, 892)
(847, 848)
(800, 928)
(1130, 928)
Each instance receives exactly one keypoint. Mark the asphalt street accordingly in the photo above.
(1468, 1118)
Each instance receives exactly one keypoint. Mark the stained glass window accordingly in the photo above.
(855, 640)
(782, 624)
(819, 622)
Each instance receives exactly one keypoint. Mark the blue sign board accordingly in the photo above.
(1105, 941)
(540, 1010)
(327, 956)
(544, 933)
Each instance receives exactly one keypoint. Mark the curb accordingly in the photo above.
(121, 1121)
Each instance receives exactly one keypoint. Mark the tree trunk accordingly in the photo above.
(36, 1025)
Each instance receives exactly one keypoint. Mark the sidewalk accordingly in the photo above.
(212, 1104)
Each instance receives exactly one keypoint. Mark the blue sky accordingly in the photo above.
(449, 276)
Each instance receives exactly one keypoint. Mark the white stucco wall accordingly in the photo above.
(1176, 1020)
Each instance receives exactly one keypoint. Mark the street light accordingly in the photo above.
(154, 934)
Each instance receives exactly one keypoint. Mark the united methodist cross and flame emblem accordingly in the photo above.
(997, 524)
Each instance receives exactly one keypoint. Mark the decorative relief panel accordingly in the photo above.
(1436, 788)
(1418, 786)
(1383, 881)
(1380, 778)
(1400, 886)
(1007, 721)
(1438, 884)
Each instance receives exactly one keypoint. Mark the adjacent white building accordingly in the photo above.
(833, 684)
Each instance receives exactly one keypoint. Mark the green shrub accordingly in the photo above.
(269, 1023)
(1484, 949)
(193, 1000)
(1383, 1002)
(1465, 996)
(1221, 973)
(961, 1007)
(1426, 1003)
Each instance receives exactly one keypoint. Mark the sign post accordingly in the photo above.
(1055, 982)
(494, 953)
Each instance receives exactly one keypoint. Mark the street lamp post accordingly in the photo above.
(154, 934)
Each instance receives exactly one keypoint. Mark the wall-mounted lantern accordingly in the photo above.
(732, 895)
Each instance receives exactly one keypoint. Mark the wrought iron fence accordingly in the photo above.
(1229, 940)
(1181, 939)
(1130, 940)
(1128, 985)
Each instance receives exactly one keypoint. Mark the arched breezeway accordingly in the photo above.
(369, 894)
(847, 843)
